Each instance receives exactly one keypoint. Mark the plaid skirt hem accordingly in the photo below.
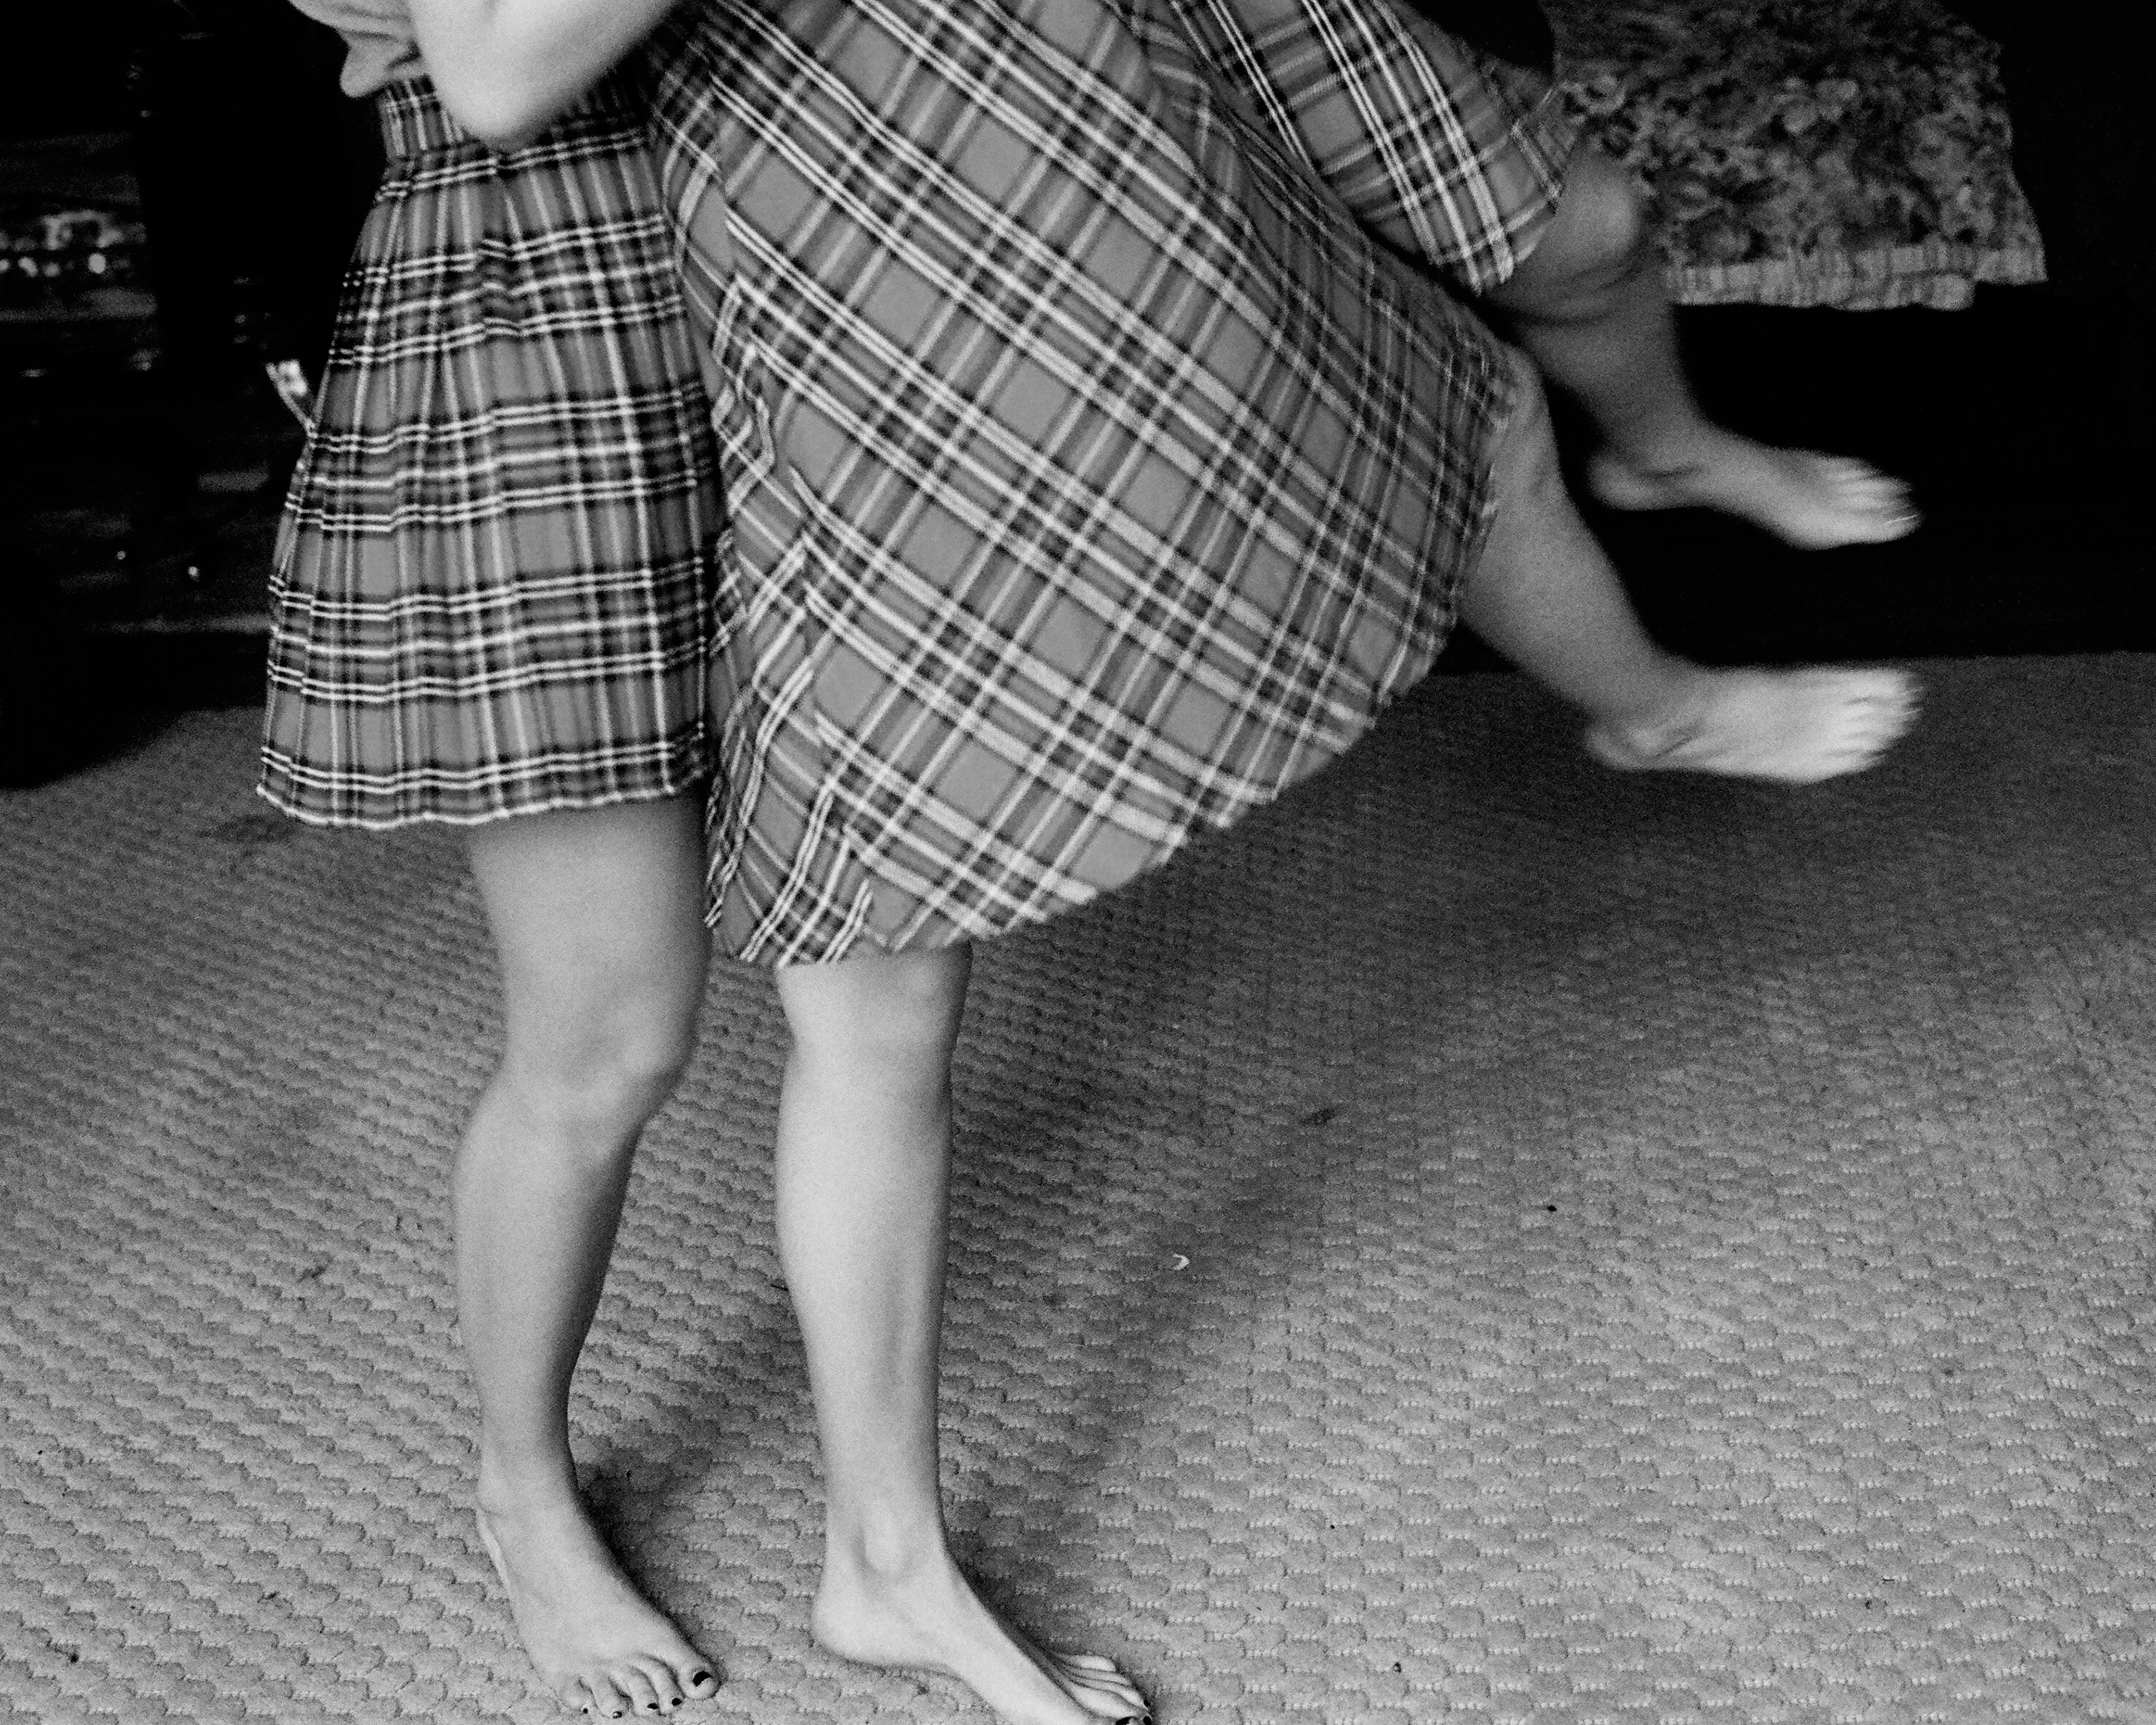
(543, 787)
(491, 595)
(280, 798)
(1453, 158)
(1094, 473)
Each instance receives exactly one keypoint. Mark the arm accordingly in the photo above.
(505, 68)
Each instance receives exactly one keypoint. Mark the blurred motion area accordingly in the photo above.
(181, 184)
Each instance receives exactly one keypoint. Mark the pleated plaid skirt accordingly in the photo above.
(492, 594)
(1094, 468)
(1091, 466)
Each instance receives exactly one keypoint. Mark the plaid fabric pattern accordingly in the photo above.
(492, 594)
(1451, 157)
(1091, 475)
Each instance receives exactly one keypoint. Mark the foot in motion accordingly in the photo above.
(1810, 501)
(931, 1619)
(596, 1641)
(1795, 726)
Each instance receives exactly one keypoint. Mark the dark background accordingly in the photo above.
(145, 456)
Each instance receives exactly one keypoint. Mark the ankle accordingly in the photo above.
(1666, 699)
(884, 1551)
(1665, 451)
(507, 1489)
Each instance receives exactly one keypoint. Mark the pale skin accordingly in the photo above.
(506, 68)
(1590, 306)
(604, 958)
(596, 918)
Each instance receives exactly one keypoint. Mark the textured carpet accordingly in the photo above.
(1490, 1239)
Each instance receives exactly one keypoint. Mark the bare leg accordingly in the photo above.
(1590, 306)
(863, 1148)
(596, 916)
(1545, 596)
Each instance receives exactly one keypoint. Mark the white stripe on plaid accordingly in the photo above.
(492, 594)
(1092, 475)
(1447, 154)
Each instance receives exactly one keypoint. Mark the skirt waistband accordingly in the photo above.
(414, 123)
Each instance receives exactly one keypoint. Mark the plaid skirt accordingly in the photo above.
(492, 595)
(1452, 157)
(1094, 470)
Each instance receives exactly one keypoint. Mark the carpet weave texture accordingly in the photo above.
(1489, 1239)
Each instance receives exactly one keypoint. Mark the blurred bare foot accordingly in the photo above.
(1810, 501)
(1796, 726)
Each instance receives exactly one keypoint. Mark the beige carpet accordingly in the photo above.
(1491, 1239)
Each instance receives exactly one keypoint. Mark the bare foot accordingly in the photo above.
(596, 1641)
(931, 1619)
(1797, 727)
(1811, 501)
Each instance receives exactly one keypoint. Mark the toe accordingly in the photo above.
(1874, 713)
(1838, 500)
(1116, 1702)
(1097, 1686)
(1112, 1685)
(637, 1689)
(700, 1681)
(1899, 691)
(1846, 471)
(1121, 1709)
(1879, 495)
(664, 1685)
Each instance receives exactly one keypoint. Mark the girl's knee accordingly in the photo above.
(609, 1071)
(1610, 215)
(1598, 240)
(898, 1008)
